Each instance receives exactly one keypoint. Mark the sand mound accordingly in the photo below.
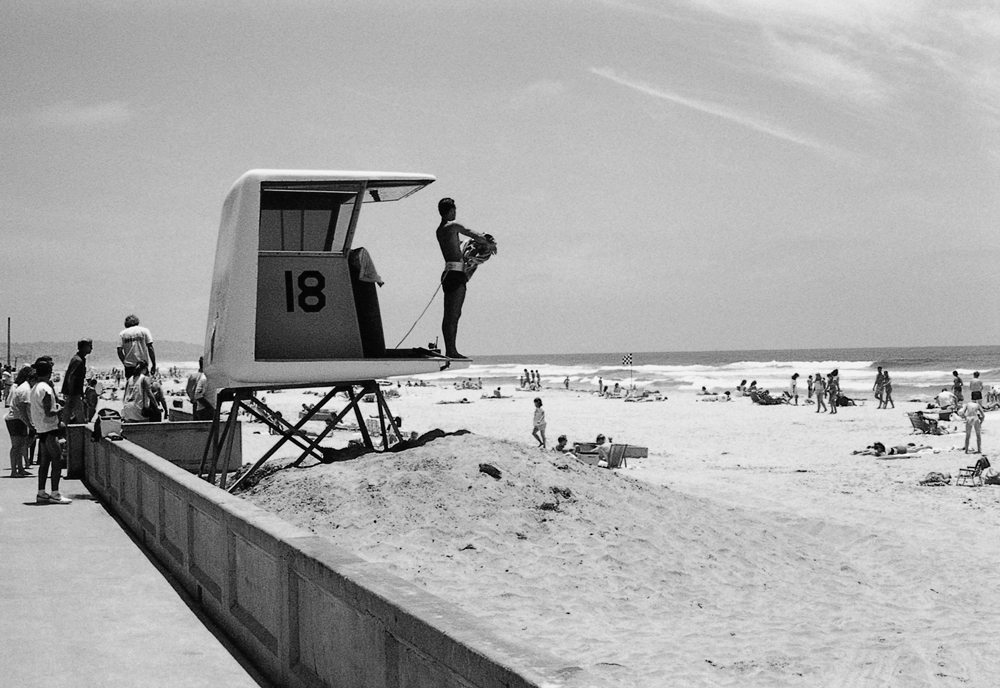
(633, 581)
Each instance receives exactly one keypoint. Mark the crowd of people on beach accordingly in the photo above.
(38, 415)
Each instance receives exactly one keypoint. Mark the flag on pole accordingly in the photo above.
(627, 360)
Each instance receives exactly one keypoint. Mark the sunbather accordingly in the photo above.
(878, 449)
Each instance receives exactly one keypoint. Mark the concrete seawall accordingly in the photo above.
(306, 612)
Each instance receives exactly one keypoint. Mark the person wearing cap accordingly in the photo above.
(135, 346)
(46, 420)
(73, 383)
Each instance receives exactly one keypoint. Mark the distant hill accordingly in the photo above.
(104, 355)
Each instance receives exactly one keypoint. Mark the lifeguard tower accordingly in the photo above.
(293, 305)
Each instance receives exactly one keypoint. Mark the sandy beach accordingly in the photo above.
(750, 548)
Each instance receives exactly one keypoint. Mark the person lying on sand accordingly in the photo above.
(878, 449)
(719, 397)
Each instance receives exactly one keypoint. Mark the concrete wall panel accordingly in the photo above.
(129, 489)
(149, 501)
(333, 641)
(206, 550)
(173, 525)
(255, 599)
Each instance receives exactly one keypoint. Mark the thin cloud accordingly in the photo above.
(716, 110)
(70, 115)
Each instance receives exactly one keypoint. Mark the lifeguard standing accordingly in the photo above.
(457, 264)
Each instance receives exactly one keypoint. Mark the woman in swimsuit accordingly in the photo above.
(820, 388)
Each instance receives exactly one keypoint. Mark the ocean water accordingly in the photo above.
(915, 371)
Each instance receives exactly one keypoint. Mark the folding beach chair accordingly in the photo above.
(973, 475)
(616, 456)
(924, 425)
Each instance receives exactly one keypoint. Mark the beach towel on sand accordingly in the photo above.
(936, 479)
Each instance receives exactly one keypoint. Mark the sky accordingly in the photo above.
(660, 176)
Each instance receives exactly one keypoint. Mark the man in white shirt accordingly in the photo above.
(946, 399)
(45, 418)
(135, 345)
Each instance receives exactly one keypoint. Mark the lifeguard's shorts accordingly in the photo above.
(452, 280)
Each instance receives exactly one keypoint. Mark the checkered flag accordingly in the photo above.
(627, 360)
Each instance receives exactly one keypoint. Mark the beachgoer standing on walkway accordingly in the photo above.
(137, 399)
(887, 391)
(135, 345)
(18, 422)
(198, 392)
(973, 414)
(45, 418)
(539, 432)
(956, 385)
(90, 399)
(877, 387)
(976, 388)
(454, 279)
(73, 384)
(794, 391)
(820, 388)
(8, 383)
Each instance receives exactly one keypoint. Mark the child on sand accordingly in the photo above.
(539, 432)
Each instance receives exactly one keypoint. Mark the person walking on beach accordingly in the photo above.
(46, 419)
(74, 382)
(877, 387)
(793, 391)
(135, 346)
(539, 432)
(957, 385)
(820, 388)
(887, 391)
(809, 389)
(973, 414)
(454, 278)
